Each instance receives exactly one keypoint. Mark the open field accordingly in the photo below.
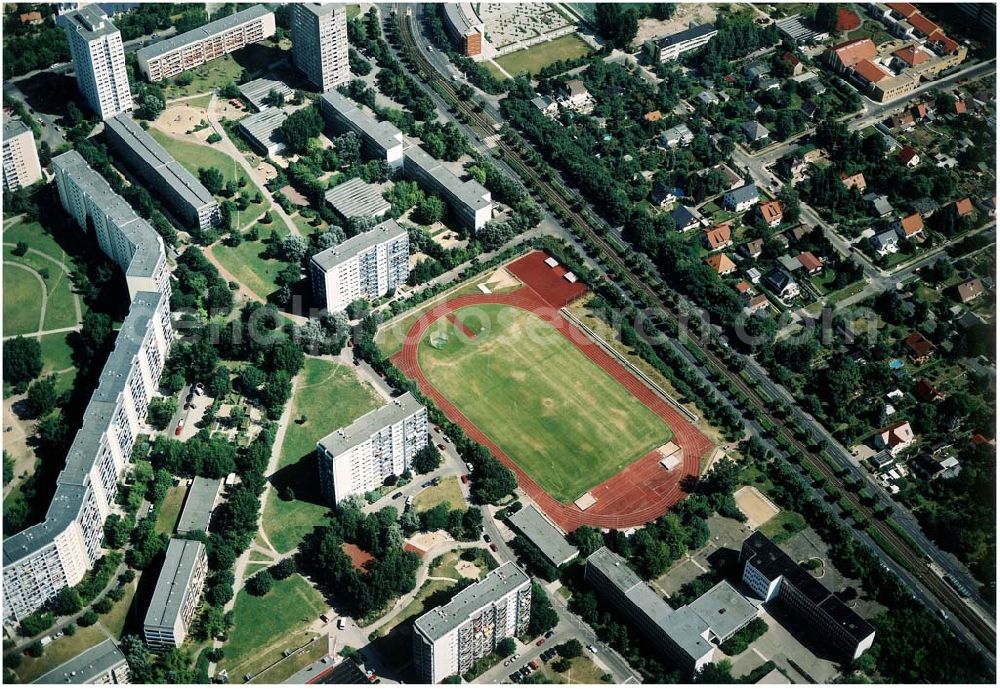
(22, 297)
(391, 337)
(248, 263)
(328, 396)
(582, 670)
(539, 56)
(23, 289)
(560, 416)
(170, 510)
(59, 651)
(265, 626)
(448, 491)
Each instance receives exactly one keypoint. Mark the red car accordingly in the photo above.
(493, 547)
(540, 642)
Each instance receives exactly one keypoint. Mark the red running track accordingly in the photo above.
(638, 494)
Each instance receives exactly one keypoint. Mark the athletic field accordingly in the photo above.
(564, 419)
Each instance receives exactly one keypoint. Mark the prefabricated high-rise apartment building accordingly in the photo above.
(20, 157)
(319, 43)
(98, 60)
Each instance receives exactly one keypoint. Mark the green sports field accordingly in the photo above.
(560, 416)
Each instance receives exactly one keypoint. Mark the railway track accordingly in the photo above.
(907, 556)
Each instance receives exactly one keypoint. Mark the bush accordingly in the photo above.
(103, 606)
(260, 583)
(214, 138)
(506, 647)
(283, 569)
(561, 665)
(69, 629)
(36, 623)
(571, 649)
(87, 619)
(35, 650)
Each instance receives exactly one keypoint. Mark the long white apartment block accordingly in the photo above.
(380, 140)
(57, 552)
(20, 157)
(450, 638)
(366, 266)
(176, 595)
(98, 60)
(319, 43)
(189, 200)
(358, 458)
(171, 56)
(471, 203)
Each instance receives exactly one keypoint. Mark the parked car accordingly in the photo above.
(486, 537)
(591, 648)
(341, 623)
(548, 634)
(541, 640)
(440, 446)
(397, 495)
(493, 547)
(534, 663)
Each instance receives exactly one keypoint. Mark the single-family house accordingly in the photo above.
(781, 283)
(855, 181)
(908, 156)
(757, 303)
(969, 290)
(925, 205)
(546, 105)
(753, 275)
(921, 111)
(678, 135)
(895, 438)
(809, 109)
(886, 242)
(771, 212)
(920, 347)
(926, 392)
(879, 204)
(768, 83)
(753, 107)
(718, 237)
(707, 98)
(663, 195)
(732, 179)
(792, 61)
(741, 199)
(754, 131)
(575, 94)
(909, 227)
(903, 121)
(934, 467)
(686, 218)
(798, 232)
(963, 207)
(721, 264)
(745, 290)
(653, 116)
(753, 248)
(756, 69)
(795, 168)
(790, 263)
(812, 265)
(988, 205)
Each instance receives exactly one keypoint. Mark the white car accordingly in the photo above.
(591, 648)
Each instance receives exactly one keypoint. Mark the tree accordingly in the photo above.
(36, 623)
(87, 619)
(561, 665)
(283, 569)
(430, 210)
(36, 649)
(66, 602)
(301, 126)
(587, 539)
(42, 397)
(543, 615)
(293, 248)
(427, 459)
(570, 649)
(616, 23)
(22, 360)
(212, 179)
(826, 16)
(492, 481)
(161, 410)
(506, 647)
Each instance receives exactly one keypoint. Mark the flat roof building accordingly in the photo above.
(176, 595)
(202, 496)
(667, 48)
(355, 198)
(188, 198)
(98, 60)
(379, 140)
(773, 575)
(20, 157)
(358, 458)
(470, 201)
(171, 56)
(546, 537)
(263, 130)
(258, 90)
(319, 43)
(100, 664)
(465, 28)
(366, 266)
(450, 638)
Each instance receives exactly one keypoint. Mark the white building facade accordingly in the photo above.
(319, 43)
(20, 157)
(382, 443)
(365, 266)
(98, 60)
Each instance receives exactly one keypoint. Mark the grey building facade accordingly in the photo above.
(319, 43)
(176, 596)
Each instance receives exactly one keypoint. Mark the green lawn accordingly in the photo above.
(330, 396)
(390, 336)
(170, 510)
(248, 264)
(22, 300)
(206, 77)
(783, 526)
(265, 626)
(60, 311)
(560, 416)
(537, 57)
(59, 651)
(448, 491)
(56, 352)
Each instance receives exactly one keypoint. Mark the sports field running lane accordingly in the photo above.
(638, 494)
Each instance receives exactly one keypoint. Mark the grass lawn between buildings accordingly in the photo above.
(22, 289)
(265, 626)
(170, 510)
(329, 395)
(560, 416)
(537, 57)
(22, 297)
(448, 491)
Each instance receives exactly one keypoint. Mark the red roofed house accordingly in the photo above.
(910, 226)
(854, 181)
(847, 20)
(758, 302)
(771, 212)
(960, 107)
(895, 438)
(920, 347)
(868, 72)
(718, 237)
(909, 157)
(920, 111)
(963, 207)
(923, 26)
(31, 18)
(809, 261)
(721, 264)
(911, 55)
(653, 116)
(795, 63)
(902, 10)
(980, 439)
(844, 56)
(927, 392)
(969, 290)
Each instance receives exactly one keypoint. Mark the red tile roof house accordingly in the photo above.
(771, 212)
(718, 237)
(969, 290)
(920, 111)
(927, 392)
(811, 264)
(910, 227)
(963, 207)
(920, 348)
(758, 302)
(854, 182)
(895, 438)
(960, 107)
(721, 264)
(745, 290)
(909, 157)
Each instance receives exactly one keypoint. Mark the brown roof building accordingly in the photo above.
(927, 392)
(963, 207)
(718, 237)
(854, 181)
(969, 290)
(844, 56)
(911, 225)
(809, 261)
(771, 212)
(920, 347)
(721, 264)
(911, 55)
